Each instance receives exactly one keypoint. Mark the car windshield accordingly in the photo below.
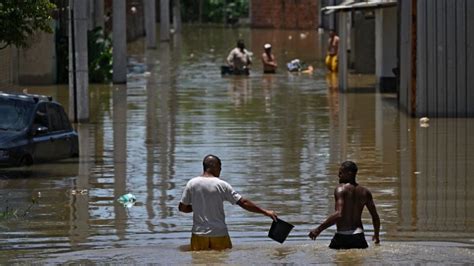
(14, 114)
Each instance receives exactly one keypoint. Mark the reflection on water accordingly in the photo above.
(436, 164)
(281, 139)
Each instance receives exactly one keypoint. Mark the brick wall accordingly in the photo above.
(284, 14)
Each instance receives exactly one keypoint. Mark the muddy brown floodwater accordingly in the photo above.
(281, 139)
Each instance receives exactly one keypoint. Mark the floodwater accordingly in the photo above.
(280, 137)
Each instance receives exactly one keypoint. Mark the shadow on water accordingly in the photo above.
(281, 139)
(65, 168)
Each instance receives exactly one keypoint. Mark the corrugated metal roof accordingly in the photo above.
(350, 5)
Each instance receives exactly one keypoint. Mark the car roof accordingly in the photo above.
(33, 98)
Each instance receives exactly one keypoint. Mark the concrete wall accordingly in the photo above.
(284, 14)
(37, 64)
(363, 42)
(7, 75)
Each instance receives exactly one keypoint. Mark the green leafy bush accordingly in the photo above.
(100, 56)
(99, 50)
(213, 10)
(19, 19)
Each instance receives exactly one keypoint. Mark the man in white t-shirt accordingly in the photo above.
(239, 59)
(204, 196)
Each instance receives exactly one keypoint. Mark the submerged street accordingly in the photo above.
(281, 139)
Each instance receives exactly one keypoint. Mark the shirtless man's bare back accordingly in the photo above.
(351, 198)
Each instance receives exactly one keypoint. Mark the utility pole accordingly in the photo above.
(164, 20)
(177, 16)
(99, 14)
(78, 68)
(150, 23)
(119, 42)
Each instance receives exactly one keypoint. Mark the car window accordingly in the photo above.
(41, 117)
(64, 118)
(56, 120)
(14, 114)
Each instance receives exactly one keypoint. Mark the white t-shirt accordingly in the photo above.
(207, 196)
(239, 59)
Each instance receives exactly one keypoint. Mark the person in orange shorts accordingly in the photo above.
(333, 47)
(204, 196)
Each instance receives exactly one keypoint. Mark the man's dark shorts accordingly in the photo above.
(340, 241)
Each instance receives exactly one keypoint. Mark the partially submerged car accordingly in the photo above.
(34, 128)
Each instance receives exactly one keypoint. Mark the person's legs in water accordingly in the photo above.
(340, 241)
(331, 62)
(210, 243)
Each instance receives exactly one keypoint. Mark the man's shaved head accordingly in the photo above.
(211, 162)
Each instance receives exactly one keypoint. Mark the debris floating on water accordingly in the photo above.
(128, 200)
(424, 122)
(79, 191)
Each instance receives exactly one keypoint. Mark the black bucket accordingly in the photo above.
(280, 230)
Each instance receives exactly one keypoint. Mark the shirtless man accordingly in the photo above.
(333, 47)
(350, 201)
(268, 60)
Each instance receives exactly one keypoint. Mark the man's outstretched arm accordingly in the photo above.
(333, 218)
(248, 205)
(375, 218)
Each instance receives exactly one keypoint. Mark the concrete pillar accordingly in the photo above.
(119, 42)
(164, 20)
(385, 47)
(150, 22)
(78, 69)
(342, 53)
(90, 14)
(99, 13)
(378, 43)
(177, 16)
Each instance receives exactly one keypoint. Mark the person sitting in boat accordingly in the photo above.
(239, 59)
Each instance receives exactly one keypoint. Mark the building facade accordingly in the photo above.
(284, 14)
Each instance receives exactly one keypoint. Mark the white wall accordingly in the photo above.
(385, 42)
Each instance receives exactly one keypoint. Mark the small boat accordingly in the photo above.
(228, 70)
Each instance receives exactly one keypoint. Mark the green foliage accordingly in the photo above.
(19, 19)
(100, 56)
(213, 10)
(99, 51)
